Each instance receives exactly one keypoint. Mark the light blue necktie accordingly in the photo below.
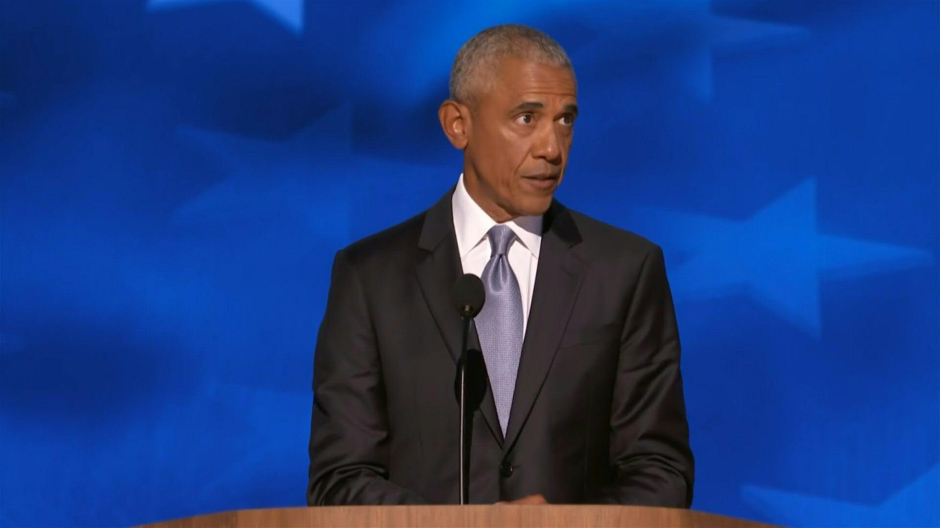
(499, 324)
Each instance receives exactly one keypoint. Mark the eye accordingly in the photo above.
(525, 119)
(567, 119)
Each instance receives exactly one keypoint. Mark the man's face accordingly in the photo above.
(519, 137)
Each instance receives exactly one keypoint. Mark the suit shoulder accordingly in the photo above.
(388, 243)
(604, 236)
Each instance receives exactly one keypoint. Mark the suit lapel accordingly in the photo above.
(437, 273)
(557, 282)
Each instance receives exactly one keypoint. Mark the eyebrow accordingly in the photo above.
(535, 105)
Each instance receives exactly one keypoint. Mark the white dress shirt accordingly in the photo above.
(472, 223)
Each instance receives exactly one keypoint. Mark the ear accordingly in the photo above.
(455, 120)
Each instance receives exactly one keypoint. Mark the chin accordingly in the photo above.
(534, 206)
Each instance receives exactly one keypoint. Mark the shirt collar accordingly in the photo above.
(472, 223)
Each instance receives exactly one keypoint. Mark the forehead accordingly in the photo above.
(517, 78)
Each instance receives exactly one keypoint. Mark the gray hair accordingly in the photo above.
(479, 56)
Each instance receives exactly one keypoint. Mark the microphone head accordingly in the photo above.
(469, 295)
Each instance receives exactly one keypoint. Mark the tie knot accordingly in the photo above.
(501, 236)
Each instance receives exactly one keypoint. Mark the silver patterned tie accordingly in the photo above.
(499, 324)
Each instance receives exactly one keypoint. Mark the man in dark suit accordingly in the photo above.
(584, 399)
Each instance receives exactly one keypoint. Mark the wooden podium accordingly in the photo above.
(461, 516)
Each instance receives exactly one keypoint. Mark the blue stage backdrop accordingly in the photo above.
(177, 175)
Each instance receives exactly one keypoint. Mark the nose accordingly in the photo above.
(547, 144)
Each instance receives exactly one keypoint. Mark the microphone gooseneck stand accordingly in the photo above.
(469, 296)
(464, 440)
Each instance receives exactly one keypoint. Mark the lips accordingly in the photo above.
(541, 182)
(542, 177)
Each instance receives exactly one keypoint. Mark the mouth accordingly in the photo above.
(542, 182)
(542, 177)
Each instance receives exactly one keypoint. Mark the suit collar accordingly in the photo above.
(438, 223)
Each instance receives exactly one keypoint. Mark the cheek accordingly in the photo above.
(517, 152)
(509, 155)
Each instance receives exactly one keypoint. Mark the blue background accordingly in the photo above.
(177, 175)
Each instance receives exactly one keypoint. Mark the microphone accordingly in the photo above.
(469, 296)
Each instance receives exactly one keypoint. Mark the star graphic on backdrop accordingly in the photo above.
(285, 207)
(268, 178)
(800, 509)
(777, 256)
(289, 13)
(688, 34)
(314, 176)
